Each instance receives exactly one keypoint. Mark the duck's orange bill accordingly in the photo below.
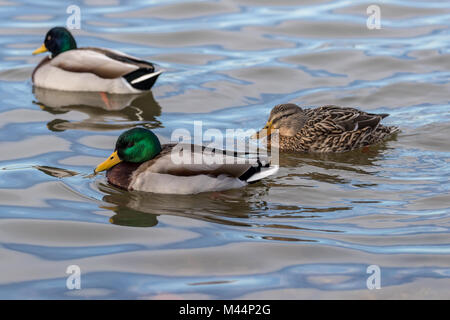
(266, 131)
(108, 163)
(41, 49)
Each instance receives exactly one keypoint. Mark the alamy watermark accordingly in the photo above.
(73, 281)
(374, 19)
(74, 20)
(212, 146)
(374, 280)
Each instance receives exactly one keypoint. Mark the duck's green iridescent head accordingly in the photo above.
(57, 40)
(136, 145)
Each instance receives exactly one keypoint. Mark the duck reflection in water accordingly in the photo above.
(325, 167)
(141, 209)
(104, 111)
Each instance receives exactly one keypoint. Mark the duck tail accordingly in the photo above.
(143, 78)
(259, 171)
(263, 173)
(393, 129)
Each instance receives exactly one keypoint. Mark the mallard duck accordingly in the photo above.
(141, 163)
(325, 129)
(70, 68)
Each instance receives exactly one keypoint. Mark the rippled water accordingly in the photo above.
(310, 231)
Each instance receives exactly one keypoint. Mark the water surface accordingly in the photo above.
(310, 231)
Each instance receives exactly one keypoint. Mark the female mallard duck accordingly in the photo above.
(70, 68)
(140, 163)
(325, 129)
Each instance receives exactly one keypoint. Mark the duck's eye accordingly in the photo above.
(130, 144)
(49, 38)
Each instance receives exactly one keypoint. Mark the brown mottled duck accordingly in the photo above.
(325, 129)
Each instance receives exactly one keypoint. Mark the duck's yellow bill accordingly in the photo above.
(41, 49)
(264, 132)
(108, 163)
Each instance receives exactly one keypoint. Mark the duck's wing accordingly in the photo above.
(259, 167)
(122, 57)
(336, 129)
(191, 160)
(104, 63)
(336, 120)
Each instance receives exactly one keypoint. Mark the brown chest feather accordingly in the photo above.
(120, 174)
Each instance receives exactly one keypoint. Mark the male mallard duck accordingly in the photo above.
(140, 163)
(89, 69)
(325, 129)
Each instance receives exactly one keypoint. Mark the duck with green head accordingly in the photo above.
(70, 68)
(139, 162)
